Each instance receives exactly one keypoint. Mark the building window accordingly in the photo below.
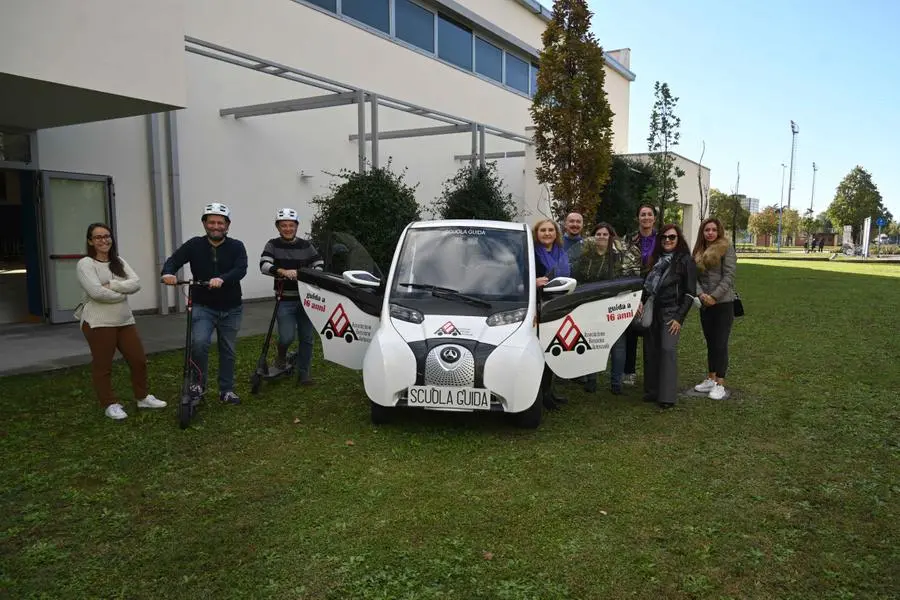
(517, 76)
(414, 24)
(454, 43)
(326, 4)
(374, 13)
(15, 147)
(534, 72)
(488, 60)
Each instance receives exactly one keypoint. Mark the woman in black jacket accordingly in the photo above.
(671, 282)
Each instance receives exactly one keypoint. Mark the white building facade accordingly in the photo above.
(149, 111)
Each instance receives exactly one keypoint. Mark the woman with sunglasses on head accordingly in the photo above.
(603, 258)
(550, 260)
(671, 283)
(107, 322)
(716, 265)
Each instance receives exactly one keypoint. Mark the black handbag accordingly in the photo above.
(738, 305)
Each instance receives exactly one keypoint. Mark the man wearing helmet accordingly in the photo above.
(222, 261)
(282, 257)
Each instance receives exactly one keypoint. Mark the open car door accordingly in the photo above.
(577, 330)
(345, 315)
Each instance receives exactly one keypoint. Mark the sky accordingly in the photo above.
(743, 69)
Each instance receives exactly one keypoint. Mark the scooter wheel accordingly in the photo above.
(185, 411)
(255, 383)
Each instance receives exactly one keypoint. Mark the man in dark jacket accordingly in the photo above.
(282, 257)
(222, 261)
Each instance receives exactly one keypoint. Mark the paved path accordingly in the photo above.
(36, 348)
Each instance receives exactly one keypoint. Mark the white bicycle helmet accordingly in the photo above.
(287, 214)
(217, 208)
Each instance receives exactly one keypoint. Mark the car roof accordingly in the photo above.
(455, 223)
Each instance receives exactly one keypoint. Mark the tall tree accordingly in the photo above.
(476, 192)
(664, 136)
(790, 223)
(810, 226)
(728, 209)
(764, 223)
(627, 187)
(856, 198)
(572, 117)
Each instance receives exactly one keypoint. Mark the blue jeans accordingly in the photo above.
(226, 323)
(617, 357)
(293, 321)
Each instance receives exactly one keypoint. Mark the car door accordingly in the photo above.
(345, 315)
(577, 330)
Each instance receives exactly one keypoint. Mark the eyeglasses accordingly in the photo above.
(670, 237)
(102, 238)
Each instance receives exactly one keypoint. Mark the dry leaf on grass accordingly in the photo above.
(296, 420)
(349, 442)
(487, 555)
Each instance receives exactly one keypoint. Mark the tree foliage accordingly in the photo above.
(856, 198)
(476, 192)
(728, 209)
(374, 207)
(790, 223)
(810, 226)
(664, 136)
(763, 223)
(629, 183)
(571, 114)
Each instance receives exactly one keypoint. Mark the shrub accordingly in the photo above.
(374, 207)
(476, 192)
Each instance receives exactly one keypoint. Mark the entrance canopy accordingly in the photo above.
(340, 94)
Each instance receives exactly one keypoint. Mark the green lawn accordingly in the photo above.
(790, 490)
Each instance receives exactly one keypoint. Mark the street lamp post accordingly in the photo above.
(813, 196)
(781, 205)
(794, 131)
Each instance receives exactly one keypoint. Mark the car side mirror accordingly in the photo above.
(361, 278)
(560, 285)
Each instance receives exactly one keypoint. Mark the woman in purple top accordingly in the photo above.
(645, 241)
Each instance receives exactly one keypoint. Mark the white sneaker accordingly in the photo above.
(718, 392)
(115, 411)
(707, 386)
(151, 401)
(629, 379)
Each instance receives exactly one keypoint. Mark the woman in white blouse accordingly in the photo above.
(107, 322)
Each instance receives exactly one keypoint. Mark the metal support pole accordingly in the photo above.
(481, 148)
(813, 195)
(175, 192)
(781, 206)
(374, 100)
(474, 144)
(156, 192)
(361, 125)
(794, 131)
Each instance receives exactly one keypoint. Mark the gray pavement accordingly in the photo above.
(28, 348)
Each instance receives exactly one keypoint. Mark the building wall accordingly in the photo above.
(125, 47)
(254, 164)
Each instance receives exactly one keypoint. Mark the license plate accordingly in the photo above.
(449, 398)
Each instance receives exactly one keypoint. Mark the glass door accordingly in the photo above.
(69, 203)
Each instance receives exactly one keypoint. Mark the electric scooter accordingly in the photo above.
(262, 371)
(191, 388)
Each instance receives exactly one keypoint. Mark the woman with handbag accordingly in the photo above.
(603, 258)
(667, 299)
(550, 260)
(107, 322)
(716, 266)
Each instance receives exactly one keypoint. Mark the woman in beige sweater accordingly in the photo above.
(107, 321)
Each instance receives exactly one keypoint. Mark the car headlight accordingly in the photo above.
(507, 317)
(403, 313)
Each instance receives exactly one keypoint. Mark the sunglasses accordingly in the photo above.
(670, 237)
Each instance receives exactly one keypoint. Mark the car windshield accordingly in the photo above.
(476, 268)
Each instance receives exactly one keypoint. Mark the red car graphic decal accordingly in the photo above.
(568, 338)
(338, 325)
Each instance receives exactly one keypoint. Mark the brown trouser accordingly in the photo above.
(103, 342)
